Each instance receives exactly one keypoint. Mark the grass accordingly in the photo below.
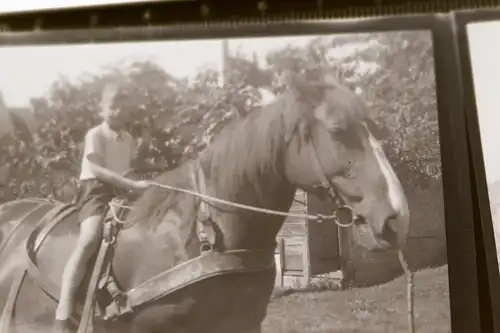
(380, 309)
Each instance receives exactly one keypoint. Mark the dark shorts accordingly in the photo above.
(93, 198)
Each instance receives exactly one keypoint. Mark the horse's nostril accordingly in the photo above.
(392, 217)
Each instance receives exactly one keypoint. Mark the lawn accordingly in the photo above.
(380, 309)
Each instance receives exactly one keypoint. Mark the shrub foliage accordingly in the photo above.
(176, 119)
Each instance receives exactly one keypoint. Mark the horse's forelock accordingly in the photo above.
(346, 107)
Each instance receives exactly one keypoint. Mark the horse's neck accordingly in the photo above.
(246, 228)
(147, 250)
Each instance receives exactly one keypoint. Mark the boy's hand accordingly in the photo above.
(141, 185)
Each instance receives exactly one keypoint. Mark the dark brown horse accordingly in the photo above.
(316, 136)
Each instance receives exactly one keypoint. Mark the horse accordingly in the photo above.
(196, 252)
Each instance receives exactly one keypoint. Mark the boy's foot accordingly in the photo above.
(62, 326)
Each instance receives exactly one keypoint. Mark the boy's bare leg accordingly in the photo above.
(88, 242)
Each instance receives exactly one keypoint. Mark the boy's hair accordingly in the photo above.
(110, 91)
(112, 94)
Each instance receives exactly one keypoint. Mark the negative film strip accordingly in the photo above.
(160, 13)
(251, 133)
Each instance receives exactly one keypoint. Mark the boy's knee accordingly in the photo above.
(90, 235)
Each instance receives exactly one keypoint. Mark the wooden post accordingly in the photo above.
(306, 255)
(306, 262)
(344, 255)
(281, 245)
(224, 62)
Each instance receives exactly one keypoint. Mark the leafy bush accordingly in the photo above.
(394, 72)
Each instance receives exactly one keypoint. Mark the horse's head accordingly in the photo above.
(331, 147)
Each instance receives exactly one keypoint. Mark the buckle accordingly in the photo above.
(206, 247)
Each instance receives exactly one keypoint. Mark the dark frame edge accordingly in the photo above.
(457, 185)
(462, 18)
(223, 30)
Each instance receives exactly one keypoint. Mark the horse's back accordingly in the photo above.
(53, 241)
(13, 210)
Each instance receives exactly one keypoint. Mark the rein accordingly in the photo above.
(318, 217)
(116, 202)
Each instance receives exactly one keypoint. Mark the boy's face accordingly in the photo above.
(110, 111)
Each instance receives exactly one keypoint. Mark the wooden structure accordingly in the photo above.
(307, 248)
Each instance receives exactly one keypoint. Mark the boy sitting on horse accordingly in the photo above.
(108, 153)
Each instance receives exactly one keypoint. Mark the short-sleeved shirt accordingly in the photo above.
(116, 149)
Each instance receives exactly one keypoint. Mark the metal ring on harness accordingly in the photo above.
(350, 211)
(206, 247)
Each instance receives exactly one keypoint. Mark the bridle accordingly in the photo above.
(332, 192)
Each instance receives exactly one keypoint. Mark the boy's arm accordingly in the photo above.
(94, 153)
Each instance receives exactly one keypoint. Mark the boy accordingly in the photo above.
(108, 152)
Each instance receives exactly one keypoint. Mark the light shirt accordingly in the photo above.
(115, 149)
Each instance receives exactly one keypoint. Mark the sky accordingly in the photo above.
(485, 57)
(29, 71)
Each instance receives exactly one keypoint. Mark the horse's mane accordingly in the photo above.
(247, 150)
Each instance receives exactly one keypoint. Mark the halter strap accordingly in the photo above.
(318, 169)
(206, 234)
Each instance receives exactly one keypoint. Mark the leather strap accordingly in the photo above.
(36, 239)
(87, 316)
(206, 234)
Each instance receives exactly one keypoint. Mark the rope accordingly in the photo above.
(113, 205)
(409, 291)
(318, 217)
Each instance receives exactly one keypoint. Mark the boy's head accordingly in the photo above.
(111, 112)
